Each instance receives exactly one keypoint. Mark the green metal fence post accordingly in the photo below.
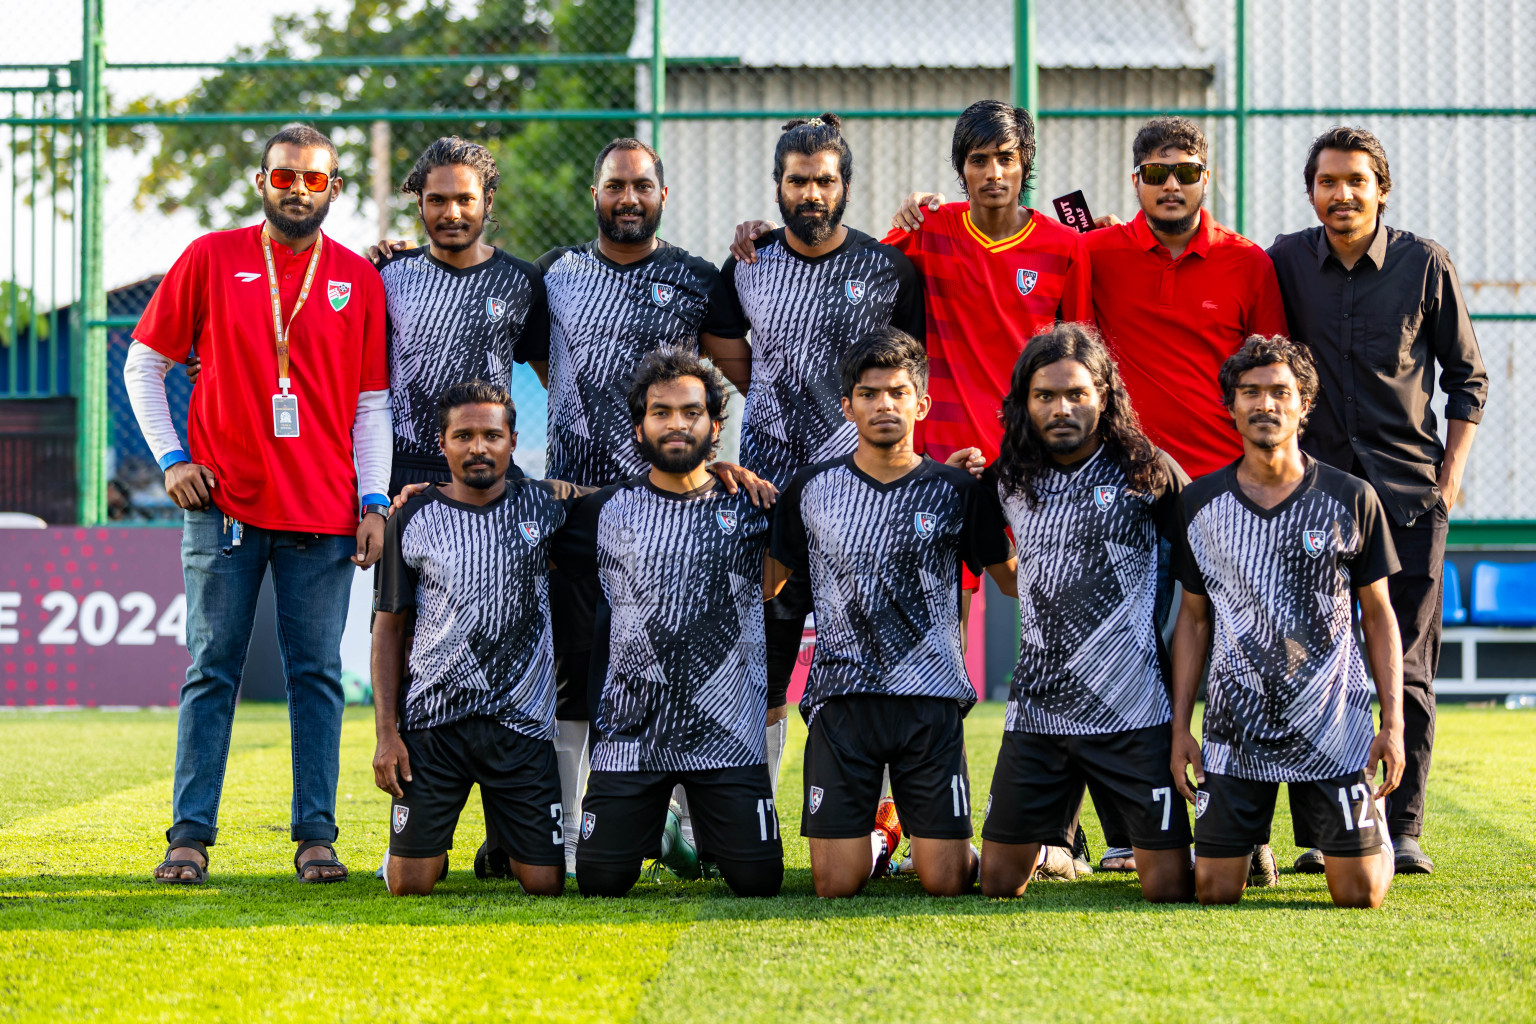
(1025, 80)
(658, 74)
(1241, 118)
(91, 307)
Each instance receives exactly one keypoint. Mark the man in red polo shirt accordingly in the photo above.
(289, 442)
(1175, 294)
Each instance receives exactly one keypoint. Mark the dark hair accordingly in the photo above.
(1352, 140)
(1260, 351)
(987, 122)
(304, 136)
(809, 136)
(666, 365)
(628, 144)
(1160, 133)
(885, 348)
(1022, 454)
(452, 151)
(473, 392)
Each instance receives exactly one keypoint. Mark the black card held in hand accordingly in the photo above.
(1072, 210)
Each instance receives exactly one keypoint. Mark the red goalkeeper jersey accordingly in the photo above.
(985, 300)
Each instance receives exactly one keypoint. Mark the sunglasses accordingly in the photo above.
(1156, 174)
(282, 178)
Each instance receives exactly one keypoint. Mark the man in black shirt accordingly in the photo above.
(1275, 551)
(679, 650)
(1379, 308)
(469, 559)
(881, 533)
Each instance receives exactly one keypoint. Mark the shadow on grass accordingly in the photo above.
(76, 902)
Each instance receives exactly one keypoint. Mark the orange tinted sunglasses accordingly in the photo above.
(283, 177)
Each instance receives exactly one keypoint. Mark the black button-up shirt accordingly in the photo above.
(1376, 332)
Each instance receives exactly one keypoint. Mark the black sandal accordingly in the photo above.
(200, 870)
(332, 862)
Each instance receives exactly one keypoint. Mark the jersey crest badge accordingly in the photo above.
(726, 517)
(816, 795)
(661, 294)
(494, 308)
(1312, 542)
(1026, 281)
(338, 292)
(1104, 495)
(401, 813)
(530, 532)
(588, 823)
(854, 290)
(924, 523)
(1202, 801)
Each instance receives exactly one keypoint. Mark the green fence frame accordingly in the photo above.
(92, 121)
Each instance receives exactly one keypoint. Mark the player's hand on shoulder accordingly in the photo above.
(744, 245)
(1109, 220)
(190, 485)
(194, 367)
(969, 459)
(762, 493)
(382, 253)
(391, 763)
(909, 217)
(407, 492)
(1387, 751)
(1186, 757)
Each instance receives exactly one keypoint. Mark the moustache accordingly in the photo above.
(629, 211)
(1263, 417)
(479, 460)
(811, 208)
(1340, 207)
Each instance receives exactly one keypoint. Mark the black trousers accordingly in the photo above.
(1416, 594)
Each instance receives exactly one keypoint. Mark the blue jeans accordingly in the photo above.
(312, 581)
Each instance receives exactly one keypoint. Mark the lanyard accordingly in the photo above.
(277, 301)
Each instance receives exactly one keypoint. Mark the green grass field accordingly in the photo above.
(85, 934)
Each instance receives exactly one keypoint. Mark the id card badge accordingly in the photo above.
(285, 415)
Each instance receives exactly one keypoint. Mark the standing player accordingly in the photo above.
(881, 533)
(808, 291)
(680, 646)
(469, 558)
(995, 273)
(1276, 550)
(1087, 495)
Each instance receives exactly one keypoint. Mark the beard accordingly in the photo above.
(624, 233)
(479, 474)
(469, 238)
(1066, 444)
(680, 462)
(290, 226)
(1175, 226)
(807, 226)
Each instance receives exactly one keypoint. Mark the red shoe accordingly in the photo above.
(889, 826)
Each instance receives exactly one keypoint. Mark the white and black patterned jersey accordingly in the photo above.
(804, 313)
(604, 318)
(1090, 657)
(476, 577)
(884, 562)
(1287, 698)
(451, 324)
(679, 637)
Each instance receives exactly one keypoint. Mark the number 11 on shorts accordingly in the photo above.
(961, 798)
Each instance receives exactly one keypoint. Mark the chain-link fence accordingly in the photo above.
(545, 83)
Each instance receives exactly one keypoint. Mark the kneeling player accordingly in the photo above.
(1276, 548)
(470, 557)
(1087, 495)
(679, 646)
(882, 533)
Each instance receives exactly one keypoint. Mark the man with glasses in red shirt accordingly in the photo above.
(294, 390)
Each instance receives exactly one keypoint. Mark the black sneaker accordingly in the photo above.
(1309, 863)
(492, 863)
(1409, 859)
(1263, 872)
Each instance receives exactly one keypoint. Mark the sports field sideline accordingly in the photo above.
(84, 933)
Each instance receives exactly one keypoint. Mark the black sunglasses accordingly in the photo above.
(1156, 174)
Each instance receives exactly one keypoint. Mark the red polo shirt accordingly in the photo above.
(1173, 322)
(215, 298)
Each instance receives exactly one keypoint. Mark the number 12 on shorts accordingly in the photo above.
(767, 821)
(1360, 791)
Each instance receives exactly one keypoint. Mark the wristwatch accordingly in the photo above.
(375, 503)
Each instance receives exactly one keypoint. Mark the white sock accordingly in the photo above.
(885, 784)
(385, 868)
(574, 760)
(680, 797)
(777, 733)
(876, 847)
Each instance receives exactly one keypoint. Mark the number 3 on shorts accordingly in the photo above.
(961, 798)
(557, 811)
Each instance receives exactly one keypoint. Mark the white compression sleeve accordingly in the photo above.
(144, 379)
(573, 760)
(373, 442)
(777, 734)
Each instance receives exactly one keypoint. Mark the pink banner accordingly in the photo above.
(91, 617)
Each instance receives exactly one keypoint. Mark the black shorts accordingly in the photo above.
(1337, 816)
(573, 604)
(783, 628)
(853, 738)
(1037, 789)
(623, 815)
(519, 788)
